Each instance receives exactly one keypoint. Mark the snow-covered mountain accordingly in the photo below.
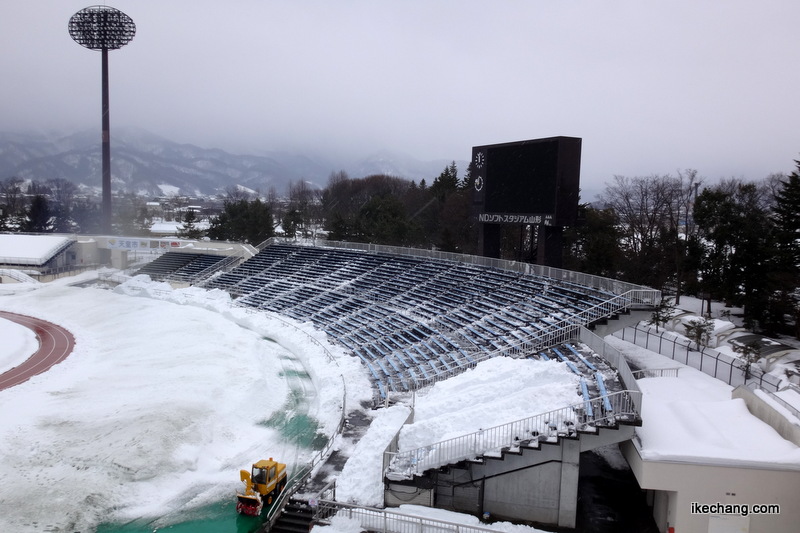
(144, 163)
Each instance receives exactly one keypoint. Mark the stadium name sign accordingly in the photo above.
(511, 218)
(142, 244)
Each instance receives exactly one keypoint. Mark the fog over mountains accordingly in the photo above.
(147, 164)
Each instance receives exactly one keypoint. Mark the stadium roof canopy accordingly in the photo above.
(31, 250)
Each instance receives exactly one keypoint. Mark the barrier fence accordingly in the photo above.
(724, 367)
(383, 521)
(544, 427)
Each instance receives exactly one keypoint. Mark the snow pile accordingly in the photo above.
(325, 363)
(156, 409)
(19, 343)
(361, 479)
(473, 400)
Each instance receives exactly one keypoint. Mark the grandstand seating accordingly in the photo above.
(412, 320)
(597, 378)
(179, 266)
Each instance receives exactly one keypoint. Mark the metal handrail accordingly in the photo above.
(587, 280)
(555, 333)
(383, 521)
(544, 427)
(656, 373)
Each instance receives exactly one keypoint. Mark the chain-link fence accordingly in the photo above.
(724, 367)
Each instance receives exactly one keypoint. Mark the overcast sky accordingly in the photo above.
(650, 87)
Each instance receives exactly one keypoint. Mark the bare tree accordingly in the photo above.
(683, 228)
(645, 208)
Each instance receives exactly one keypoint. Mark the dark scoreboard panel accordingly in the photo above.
(528, 182)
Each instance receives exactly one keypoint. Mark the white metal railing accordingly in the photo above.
(549, 427)
(649, 296)
(383, 521)
(656, 373)
(786, 405)
(199, 277)
(555, 333)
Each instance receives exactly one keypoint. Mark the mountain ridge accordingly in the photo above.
(146, 164)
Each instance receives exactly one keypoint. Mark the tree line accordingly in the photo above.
(733, 241)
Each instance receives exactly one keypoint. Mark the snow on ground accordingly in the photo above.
(693, 418)
(157, 408)
(19, 343)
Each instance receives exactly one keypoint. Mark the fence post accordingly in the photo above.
(730, 374)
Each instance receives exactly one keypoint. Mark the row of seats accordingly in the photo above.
(598, 379)
(179, 266)
(410, 320)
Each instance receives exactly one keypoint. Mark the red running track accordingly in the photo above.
(55, 344)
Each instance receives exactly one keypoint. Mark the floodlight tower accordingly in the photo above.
(103, 28)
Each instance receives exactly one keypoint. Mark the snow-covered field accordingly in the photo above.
(157, 408)
(164, 399)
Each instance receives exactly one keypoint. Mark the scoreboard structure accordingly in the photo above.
(527, 183)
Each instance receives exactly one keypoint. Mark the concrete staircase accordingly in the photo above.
(629, 317)
(296, 517)
(535, 479)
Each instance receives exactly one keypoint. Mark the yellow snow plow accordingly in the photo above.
(266, 480)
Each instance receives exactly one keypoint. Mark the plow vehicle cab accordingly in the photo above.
(266, 480)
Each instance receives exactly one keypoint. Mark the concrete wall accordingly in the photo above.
(85, 252)
(678, 485)
(525, 486)
(765, 412)
(537, 485)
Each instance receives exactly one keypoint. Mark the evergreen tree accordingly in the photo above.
(662, 313)
(38, 219)
(787, 221)
(737, 230)
(189, 229)
(244, 221)
(699, 331)
(86, 216)
(291, 221)
(446, 183)
(383, 220)
(785, 300)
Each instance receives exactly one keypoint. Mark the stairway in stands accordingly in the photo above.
(296, 517)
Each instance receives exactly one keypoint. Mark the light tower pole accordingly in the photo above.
(103, 28)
